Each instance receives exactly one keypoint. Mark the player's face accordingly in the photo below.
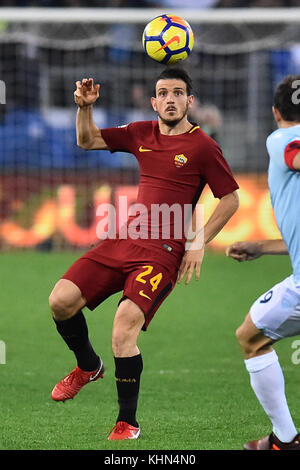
(172, 101)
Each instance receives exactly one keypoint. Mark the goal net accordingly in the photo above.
(50, 188)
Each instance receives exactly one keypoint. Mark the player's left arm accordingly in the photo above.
(193, 257)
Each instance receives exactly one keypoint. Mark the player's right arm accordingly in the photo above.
(247, 251)
(88, 134)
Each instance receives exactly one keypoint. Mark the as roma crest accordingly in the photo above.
(180, 160)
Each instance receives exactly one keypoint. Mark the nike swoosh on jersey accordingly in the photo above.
(144, 295)
(142, 149)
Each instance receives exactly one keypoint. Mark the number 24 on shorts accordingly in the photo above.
(154, 280)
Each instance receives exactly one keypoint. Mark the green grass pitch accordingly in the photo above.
(195, 391)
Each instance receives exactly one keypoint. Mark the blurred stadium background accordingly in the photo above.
(50, 188)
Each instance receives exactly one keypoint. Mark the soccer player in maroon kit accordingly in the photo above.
(176, 160)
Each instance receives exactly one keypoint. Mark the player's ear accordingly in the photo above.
(276, 114)
(191, 100)
(153, 102)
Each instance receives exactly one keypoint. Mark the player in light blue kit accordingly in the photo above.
(276, 314)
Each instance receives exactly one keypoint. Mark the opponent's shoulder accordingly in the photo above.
(280, 138)
(275, 137)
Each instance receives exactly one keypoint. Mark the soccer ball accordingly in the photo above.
(168, 39)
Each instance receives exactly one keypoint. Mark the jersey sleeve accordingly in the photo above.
(218, 173)
(119, 139)
(290, 152)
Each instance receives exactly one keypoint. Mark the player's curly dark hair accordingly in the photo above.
(179, 74)
(287, 98)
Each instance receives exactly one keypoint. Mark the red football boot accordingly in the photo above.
(272, 442)
(70, 385)
(122, 431)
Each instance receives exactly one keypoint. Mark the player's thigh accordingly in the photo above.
(94, 282)
(276, 313)
(66, 299)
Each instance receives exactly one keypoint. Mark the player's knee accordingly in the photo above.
(65, 300)
(244, 340)
(127, 324)
(58, 306)
(61, 307)
(249, 343)
(123, 336)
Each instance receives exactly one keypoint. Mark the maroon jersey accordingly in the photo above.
(173, 171)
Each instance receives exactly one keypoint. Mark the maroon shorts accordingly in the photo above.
(145, 275)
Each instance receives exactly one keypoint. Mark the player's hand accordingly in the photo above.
(86, 92)
(244, 251)
(191, 262)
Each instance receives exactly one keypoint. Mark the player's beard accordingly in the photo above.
(173, 122)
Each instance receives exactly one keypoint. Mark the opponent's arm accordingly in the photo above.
(193, 257)
(88, 134)
(247, 251)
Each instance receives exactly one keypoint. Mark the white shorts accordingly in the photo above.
(277, 311)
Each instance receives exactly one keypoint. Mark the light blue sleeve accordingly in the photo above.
(276, 144)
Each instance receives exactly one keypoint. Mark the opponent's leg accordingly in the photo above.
(128, 322)
(267, 382)
(66, 302)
